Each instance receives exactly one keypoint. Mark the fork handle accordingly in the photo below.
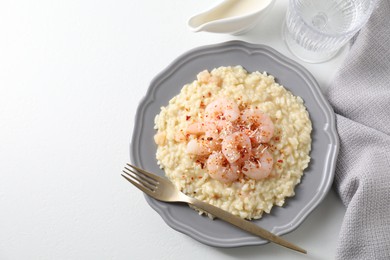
(243, 224)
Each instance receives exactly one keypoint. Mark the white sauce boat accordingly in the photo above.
(231, 16)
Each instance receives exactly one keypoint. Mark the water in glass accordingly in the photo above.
(324, 26)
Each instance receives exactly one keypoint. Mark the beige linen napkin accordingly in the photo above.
(360, 96)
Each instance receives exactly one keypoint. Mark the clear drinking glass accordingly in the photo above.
(315, 30)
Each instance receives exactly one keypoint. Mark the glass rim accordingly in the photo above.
(373, 3)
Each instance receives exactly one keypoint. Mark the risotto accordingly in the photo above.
(264, 162)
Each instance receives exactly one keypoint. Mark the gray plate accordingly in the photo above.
(318, 177)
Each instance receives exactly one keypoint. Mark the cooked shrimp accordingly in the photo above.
(160, 138)
(206, 77)
(260, 126)
(199, 147)
(203, 76)
(222, 109)
(220, 169)
(208, 132)
(236, 146)
(207, 128)
(259, 165)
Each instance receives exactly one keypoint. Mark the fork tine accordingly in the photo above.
(140, 178)
(148, 174)
(139, 186)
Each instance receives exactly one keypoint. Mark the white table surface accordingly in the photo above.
(71, 76)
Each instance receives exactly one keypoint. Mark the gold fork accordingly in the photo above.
(164, 190)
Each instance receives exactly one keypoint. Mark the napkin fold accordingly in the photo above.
(360, 96)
